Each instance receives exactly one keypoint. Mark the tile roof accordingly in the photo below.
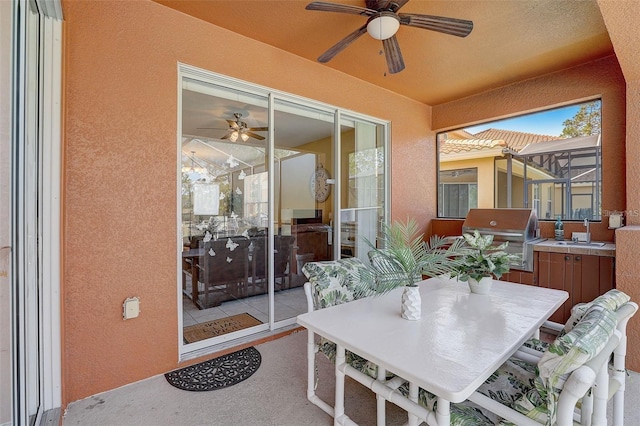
(490, 138)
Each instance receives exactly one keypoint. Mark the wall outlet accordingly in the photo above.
(131, 308)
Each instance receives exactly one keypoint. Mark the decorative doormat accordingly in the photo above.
(217, 373)
(206, 330)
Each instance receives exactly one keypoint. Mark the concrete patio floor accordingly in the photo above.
(274, 395)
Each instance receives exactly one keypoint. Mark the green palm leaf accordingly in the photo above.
(405, 258)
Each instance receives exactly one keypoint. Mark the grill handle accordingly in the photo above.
(503, 234)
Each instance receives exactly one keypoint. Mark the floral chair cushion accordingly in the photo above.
(333, 283)
(572, 350)
(463, 414)
(531, 389)
(612, 300)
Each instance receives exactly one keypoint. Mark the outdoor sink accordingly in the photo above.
(579, 244)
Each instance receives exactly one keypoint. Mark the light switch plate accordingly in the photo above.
(131, 308)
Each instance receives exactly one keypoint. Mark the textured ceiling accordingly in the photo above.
(511, 40)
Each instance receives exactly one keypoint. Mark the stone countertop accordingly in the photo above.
(550, 245)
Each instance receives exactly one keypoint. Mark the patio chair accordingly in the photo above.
(332, 283)
(621, 304)
(567, 384)
(582, 353)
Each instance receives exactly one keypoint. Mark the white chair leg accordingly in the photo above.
(380, 401)
(586, 409)
(339, 417)
(619, 376)
(600, 397)
(312, 350)
(412, 419)
(443, 414)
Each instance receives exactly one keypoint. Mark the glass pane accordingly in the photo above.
(457, 191)
(547, 198)
(362, 201)
(225, 199)
(558, 151)
(303, 198)
(5, 217)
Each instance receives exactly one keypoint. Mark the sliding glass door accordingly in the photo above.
(304, 197)
(261, 192)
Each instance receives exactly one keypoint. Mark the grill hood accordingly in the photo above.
(518, 227)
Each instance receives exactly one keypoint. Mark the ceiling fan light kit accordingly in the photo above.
(239, 129)
(383, 23)
(383, 27)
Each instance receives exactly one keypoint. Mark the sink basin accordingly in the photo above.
(579, 244)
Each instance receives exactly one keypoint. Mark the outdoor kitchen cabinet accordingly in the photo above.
(583, 276)
(520, 277)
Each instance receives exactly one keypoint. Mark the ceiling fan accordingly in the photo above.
(384, 22)
(239, 129)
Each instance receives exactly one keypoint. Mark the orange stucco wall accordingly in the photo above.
(120, 154)
(625, 38)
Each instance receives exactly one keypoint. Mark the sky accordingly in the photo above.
(541, 123)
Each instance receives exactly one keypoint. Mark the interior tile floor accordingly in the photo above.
(288, 303)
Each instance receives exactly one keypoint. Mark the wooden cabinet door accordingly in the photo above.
(520, 277)
(584, 277)
(555, 270)
(607, 274)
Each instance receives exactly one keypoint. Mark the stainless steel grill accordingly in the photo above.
(519, 227)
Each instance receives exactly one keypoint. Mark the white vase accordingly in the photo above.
(480, 287)
(411, 307)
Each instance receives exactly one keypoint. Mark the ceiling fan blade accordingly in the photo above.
(441, 24)
(392, 5)
(233, 124)
(393, 55)
(226, 136)
(342, 44)
(253, 135)
(342, 8)
(258, 129)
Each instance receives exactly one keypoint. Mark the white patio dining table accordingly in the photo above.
(460, 339)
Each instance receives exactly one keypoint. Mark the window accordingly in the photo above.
(256, 199)
(457, 192)
(549, 161)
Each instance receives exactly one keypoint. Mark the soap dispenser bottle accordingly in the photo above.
(559, 230)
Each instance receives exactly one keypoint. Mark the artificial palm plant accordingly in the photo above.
(404, 258)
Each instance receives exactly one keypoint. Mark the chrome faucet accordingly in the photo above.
(586, 223)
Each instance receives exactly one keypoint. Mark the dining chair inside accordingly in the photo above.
(225, 269)
(282, 252)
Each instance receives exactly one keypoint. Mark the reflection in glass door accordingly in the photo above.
(363, 183)
(224, 217)
(303, 198)
(262, 192)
